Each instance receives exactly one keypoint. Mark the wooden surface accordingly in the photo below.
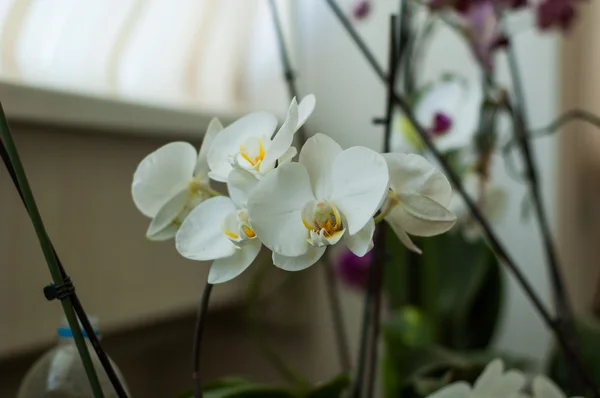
(579, 164)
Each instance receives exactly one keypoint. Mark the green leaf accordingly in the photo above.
(235, 387)
(463, 290)
(332, 389)
(559, 368)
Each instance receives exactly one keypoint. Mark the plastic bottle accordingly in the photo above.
(60, 373)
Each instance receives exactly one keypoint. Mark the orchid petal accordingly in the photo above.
(227, 143)
(283, 139)
(509, 384)
(360, 183)
(202, 169)
(239, 184)
(161, 175)
(201, 237)
(167, 216)
(288, 155)
(274, 208)
(305, 109)
(401, 233)
(444, 97)
(459, 389)
(361, 242)
(299, 263)
(227, 268)
(410, 173)
(318, 155)
(422, 216)
(485, 382)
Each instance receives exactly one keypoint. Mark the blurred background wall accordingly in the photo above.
(81, 171)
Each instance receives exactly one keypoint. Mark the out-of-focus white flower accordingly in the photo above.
(248, 143)
(331, 194)
(493, 382)
(171, 181)
(418, 198)
(448, 110)
(543, 387)
(218, 229)
(490, 197)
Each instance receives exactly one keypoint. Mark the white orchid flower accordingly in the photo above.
(418, 198)
(171, 181)
(249, 144)
(493, 382)
(218, 229)
(490, 197)
(543, 387)
(331, 194)
(448, 110)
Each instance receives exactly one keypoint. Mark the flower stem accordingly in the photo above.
(77, 306)
(198, 333)
(288, 72)
(337, 314)
(493, 240)
(286, 371)
(332, 291)
(47, 249)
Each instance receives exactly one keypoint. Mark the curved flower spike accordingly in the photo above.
(218, 229)
(248, 144)
(170, 182)
(418, 198)
(493, 382)
(329, 195)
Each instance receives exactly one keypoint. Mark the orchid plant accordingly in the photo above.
(297, 203)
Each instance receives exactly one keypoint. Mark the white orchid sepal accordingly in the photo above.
(171, 181)
(417, 200)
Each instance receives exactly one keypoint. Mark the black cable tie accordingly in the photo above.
(379, 120)
(60, 292)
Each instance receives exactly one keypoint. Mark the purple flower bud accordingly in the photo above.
(353, 270)
(441, 124)
(559, 13)
(361, 9)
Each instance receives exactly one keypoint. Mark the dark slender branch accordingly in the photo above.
(341, 340)
(199, 331)
(380, 256)
(493, 240)
(288, 72)
(77, 306)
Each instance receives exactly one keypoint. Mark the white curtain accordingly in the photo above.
(209, 54)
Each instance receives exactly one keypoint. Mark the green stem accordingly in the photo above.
(46, 247)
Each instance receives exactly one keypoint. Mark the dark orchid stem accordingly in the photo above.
(564, 309)
(199, 331)
(380, 256)
(288, 72)
(341, 340)
(493, 240)
(77, 306)
(332, 289)
(10, 151)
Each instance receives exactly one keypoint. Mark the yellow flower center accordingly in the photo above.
(326, 219)
(253, 160)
